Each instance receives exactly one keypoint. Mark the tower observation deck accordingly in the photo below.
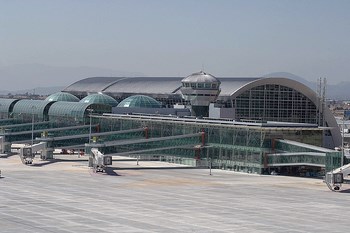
(200, 89)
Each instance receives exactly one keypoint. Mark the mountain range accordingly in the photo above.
(339, 91)
(42, 79)
(50, 79)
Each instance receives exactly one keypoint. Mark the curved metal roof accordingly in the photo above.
(147, 85)
(62, 96)
(68, 109)
(230, 85)
(279, 81)
(5, 104)
(144, 85)
(99, 99)
(35, 107)
(200, 77)
(91, 85)
(140, 101)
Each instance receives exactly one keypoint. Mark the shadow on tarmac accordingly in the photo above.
(110, 172)
(51, 161)
(344, 191)
(153, 168)
(6, 156)
(44, 163)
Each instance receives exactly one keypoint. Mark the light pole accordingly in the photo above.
(344, 122)
(210, 163)
(342, 142)
(90, 110)
(33, 108)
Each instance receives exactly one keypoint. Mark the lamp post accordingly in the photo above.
(342, 143)
(210, 163)
(33, 108)
(90, 110)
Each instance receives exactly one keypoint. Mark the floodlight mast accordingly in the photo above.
(33, 108)
(90, 110)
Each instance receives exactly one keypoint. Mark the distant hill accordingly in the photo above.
(40, 90)
(339, 91)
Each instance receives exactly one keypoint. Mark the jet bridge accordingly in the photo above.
(151, 143)
(99, 161)
(27, 153)
(68, 137)
(136, 146)
(5, 147)
(15, 137)
(335, 178)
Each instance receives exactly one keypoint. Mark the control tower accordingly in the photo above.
(200, 89)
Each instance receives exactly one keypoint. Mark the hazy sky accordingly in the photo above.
(310, 38)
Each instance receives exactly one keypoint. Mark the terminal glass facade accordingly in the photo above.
(238, 148)
(275, 103)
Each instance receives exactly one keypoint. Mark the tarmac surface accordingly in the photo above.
(64, 195)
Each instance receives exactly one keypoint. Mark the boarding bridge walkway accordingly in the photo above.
(128, 141)
(283, 153)
(188, 144)
(344, 169)
(21, 137)
(335, 178)
(48, 130)
(157, 139)
(92, 135)
(13, 136)
(313, 159)
(4, 122)
(81, 136)
(292, 153)
(157, 146)
(86, 136)
(138, 141)
(22, 125)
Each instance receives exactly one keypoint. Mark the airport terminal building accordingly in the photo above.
(245, 99)
(252, 125)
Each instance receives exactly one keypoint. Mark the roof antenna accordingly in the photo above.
(202, 67)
